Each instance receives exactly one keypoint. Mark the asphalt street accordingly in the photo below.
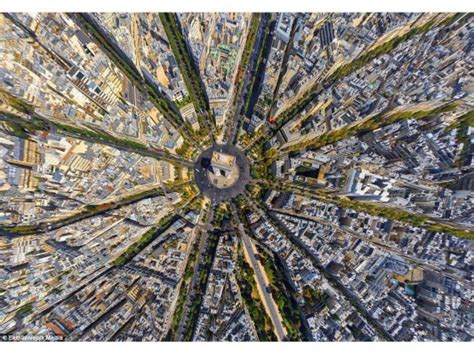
(262, 284)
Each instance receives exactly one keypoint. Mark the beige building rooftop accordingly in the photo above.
(222, 160)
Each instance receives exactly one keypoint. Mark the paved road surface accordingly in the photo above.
(265, 295)
(201, 168)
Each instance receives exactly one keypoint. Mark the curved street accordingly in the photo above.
(203, 166)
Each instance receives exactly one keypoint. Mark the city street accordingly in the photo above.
(262, 280)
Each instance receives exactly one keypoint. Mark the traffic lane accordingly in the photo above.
(261, 284)
(263, 289)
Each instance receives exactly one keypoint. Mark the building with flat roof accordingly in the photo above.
(189, 114)
(222, 164)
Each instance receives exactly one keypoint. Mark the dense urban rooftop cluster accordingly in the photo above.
(236, 176)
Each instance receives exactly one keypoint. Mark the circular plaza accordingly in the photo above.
(222, 172)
